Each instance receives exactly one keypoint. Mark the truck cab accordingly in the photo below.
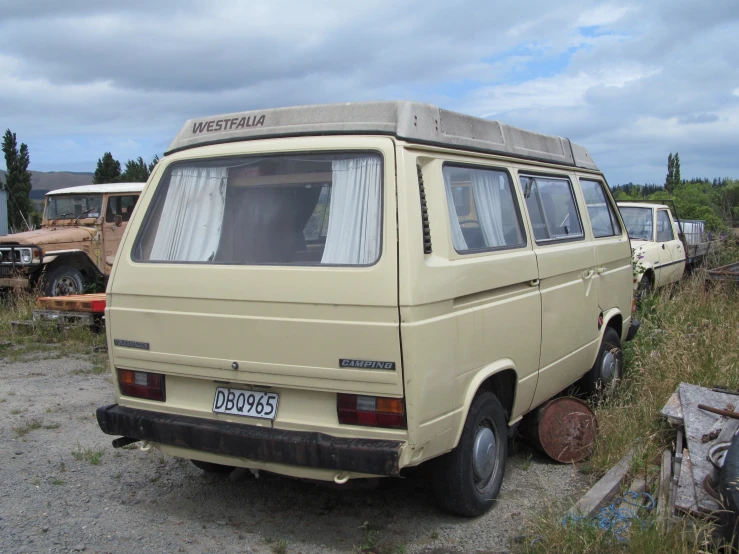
(76, 244)
(658, 253)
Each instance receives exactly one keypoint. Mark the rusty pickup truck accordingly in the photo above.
(76, 244)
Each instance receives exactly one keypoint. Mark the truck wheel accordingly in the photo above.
(64, 280)
(209, 467)
(645, 288)
(467, 480)
(605, 375)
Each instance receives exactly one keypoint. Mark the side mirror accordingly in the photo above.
(118, 221)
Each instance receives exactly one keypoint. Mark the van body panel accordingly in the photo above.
(483, 302)
(280, 326)
(569, 301)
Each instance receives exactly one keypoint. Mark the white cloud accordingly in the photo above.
(631, 82)
(604, 15)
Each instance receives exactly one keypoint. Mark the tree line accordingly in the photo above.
(714, 201)
(21, 214)
(108, 170)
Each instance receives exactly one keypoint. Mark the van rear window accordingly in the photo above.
(288, 209)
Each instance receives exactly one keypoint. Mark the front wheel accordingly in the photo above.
(468, 479)
(645, 288)
(64, 280)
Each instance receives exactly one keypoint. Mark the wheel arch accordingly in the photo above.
(612, 319)
(74, 258)
(500, 378)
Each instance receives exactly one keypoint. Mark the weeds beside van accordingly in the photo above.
(343, 291)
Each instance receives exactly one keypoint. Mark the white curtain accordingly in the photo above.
(190, 225)
(486, 188)
(460, 244)
(353, 236)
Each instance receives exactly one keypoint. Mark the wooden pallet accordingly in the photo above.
(90, 303)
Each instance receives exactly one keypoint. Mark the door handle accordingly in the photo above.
(588, 275)
(534, 283)
(663, 246)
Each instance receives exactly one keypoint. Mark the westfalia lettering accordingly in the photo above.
(366, 364)
(227, 124)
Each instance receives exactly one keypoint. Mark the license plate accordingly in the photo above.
(5, 271)
(246, 403)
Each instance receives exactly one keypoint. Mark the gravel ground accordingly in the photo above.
(63, 488)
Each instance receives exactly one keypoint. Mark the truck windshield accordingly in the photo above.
(298, 209)
(638, 222)
(68, 206)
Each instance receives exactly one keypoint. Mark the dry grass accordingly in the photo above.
(19, 306)
(689, 334)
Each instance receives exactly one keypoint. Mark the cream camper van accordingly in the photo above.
(344, 291)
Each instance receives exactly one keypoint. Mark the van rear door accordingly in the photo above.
(275, 268)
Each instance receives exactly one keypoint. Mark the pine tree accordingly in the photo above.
(108, 170)
(138, 170)
(153, 163)
(669, 179)
(677, 180)
(17, 182)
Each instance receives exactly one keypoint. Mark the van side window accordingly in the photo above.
(603, 218)
(552, 208)
(664, 227)
(483, 211)
(120, 205)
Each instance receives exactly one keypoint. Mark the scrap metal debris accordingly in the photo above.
(706, 417)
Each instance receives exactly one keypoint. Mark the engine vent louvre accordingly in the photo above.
(424, 213)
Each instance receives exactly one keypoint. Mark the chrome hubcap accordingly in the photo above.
(483, 454)
(608, 367)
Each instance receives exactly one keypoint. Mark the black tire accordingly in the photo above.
(209, 467)
(457, 487)
(645, 288)
(64, 280)
(605, 375)
(729, 490)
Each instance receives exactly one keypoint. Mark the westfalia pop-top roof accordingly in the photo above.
(411, 121)
(99, 189)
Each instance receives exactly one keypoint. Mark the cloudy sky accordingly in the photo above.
(630, 81)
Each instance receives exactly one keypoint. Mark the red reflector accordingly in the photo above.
(141, 384)
(371, 411)
(396, 421)
(367, 418)
(97, 306)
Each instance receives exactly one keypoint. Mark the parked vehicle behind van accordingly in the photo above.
(344, 291)
(76, 243)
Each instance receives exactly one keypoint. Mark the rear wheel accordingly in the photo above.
(209, 467)
(468, 479)
(605, 375)
(64, 280)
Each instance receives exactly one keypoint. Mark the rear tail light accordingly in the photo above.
(141, 384)
(371, 411)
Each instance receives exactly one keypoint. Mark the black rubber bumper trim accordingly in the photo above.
(633, 329)
(298, 448)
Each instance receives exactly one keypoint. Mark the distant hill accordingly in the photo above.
(52, 180)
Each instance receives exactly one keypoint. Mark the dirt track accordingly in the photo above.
(63, 487)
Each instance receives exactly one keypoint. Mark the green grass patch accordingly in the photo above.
(27, 426)
(49, 339)
(688, 334)
(90, 455)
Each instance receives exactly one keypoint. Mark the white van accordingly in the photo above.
(343, 291)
